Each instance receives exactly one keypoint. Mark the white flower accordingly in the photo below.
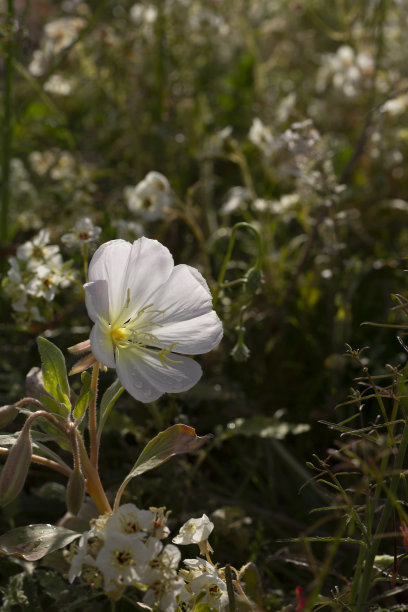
(204, 583)
(58, 85)
(121, 560)
(212, 590)
(150, 196)
(262, 137)
(162, 579)
(128, 519)
(146, 312)
(236, 200)
(83, 232)
(194, 531)
(37, 251)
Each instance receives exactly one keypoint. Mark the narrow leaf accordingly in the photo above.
(108, 401)
(84, 397)
(54, 372)
(33, 542)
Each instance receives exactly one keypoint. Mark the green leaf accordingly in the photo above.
(174, 440)
(55, 375)
(33, 542)
(108, 401)
(84, 397)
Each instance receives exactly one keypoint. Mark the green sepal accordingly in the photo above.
(54, 376)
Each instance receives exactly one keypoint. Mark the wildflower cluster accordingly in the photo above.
(36, 274)
(125, 550)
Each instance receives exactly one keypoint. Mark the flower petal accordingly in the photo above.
(193, 337)
(133, 272)
(184, 296)
(101, 344)
(146, 378)
(97, 300)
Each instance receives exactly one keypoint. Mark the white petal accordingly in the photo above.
(146, 378)
(97, 300)
(137, 269)
(193, 337)
(184, 296)
(101, 344)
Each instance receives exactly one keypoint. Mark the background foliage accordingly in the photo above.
(300, 108)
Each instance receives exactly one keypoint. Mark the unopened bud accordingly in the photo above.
(75, 491)
(7, 414)
(254, 278)
(240, 353)
(15, 469)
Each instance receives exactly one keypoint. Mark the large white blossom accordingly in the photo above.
(147, 314)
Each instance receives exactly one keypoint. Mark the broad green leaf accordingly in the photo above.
(108, 401)
(54, 374)
(84, 397)
(33, 542)
(174, 440)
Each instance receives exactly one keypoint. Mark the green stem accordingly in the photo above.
(7, 123)
(228, 255)
(362, 602)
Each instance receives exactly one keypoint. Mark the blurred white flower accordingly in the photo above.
(395, 106)
(150, 197)
(237, 199)
(146, 311)
(262, 136)
(348, 71)
(58, 85)
(84, 231)
(61, 33)
(38, 251)
(194, 531)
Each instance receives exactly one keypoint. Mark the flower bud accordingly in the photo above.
(15, 469)
(7, 414)
(75, 491)
(240, 353)
(254, 278)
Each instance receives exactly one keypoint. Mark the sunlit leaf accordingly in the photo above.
(33, 542)
(174, 440)
(84, 397)
(54, 375)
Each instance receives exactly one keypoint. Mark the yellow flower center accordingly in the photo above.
(119, 333)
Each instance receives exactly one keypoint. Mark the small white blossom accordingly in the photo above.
(147, 314)
(194, 531)
(122, 560)
(83, 232)
(38, 251)
(128, 519)
(150, 197)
